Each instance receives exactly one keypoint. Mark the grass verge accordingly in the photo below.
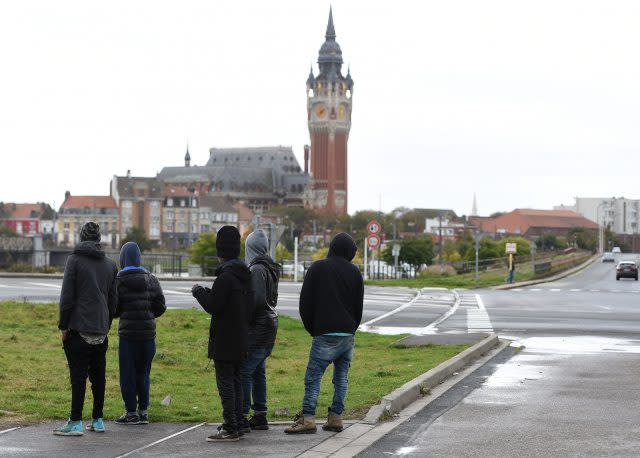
(34, 380)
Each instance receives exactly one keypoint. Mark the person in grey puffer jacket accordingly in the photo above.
(265, 274)
(87, 305)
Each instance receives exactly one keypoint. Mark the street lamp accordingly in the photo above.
(600, 227)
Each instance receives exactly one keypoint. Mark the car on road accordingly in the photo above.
(616, 250)
(608, 257)
(627, 269)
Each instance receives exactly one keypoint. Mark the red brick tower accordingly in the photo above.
(329, 97)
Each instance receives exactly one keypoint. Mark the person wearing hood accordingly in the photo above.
(331, 309)
(265, 274)
(229, 302)
(87, 306)
(140, 302)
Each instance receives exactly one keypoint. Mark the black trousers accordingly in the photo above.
(83, 360)
(229, 381)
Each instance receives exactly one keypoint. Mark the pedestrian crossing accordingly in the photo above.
(477, 317)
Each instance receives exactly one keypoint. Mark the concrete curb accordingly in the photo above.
(412, 390)
(559, 276)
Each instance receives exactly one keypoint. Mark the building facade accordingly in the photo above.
(179, 216)
(28, 219)
(139, 201)
(77, 210)
(621, 215)
(329, 103)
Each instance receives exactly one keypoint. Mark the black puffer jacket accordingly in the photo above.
(333, 291)
(88, 295)
(140, 302)
(265, 275)
(230, 302)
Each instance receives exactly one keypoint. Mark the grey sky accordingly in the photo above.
(525, 103)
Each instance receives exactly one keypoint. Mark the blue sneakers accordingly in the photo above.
(97, 425)
(72, 428)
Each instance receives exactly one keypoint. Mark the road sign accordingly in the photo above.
(395, 251)
(373, 227)
(511, 248)
(373, 241)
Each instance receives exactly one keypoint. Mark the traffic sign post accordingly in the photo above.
(373, 241)
(395, 251)
(373, 228)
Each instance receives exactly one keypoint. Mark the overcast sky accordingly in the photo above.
(527, 104)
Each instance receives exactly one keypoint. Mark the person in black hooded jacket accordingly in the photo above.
(230, 302)
(87, 305)
(265, 274)
(140, 302)
(331, 309)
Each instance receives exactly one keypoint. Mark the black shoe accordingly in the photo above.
(259, 422)
(223, 436)
(144, 419)
(243, 426)
(129, 419)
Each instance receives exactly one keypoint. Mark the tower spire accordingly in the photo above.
(331, 31)
(187, 158)
(474, 209)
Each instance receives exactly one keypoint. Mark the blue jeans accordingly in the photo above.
(254, 380)
(324, 351)
(510, 276)
(135, 358)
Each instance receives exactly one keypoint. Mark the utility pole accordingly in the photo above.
(440, 237)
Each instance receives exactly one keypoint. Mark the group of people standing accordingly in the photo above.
(93, 293)
(242, 303)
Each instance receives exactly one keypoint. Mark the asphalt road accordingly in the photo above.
(572, 390)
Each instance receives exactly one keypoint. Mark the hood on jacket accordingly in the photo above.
(257, 244)
(89, 248)
(236, 267)
(130, 255)
(342, 246)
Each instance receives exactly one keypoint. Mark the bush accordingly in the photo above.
(437, 271)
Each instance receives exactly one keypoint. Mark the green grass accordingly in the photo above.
(34, 379)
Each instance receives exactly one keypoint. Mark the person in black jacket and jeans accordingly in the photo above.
(140, 302)
(265, 275)
(229, 301)
(87, 306)
(331, 309)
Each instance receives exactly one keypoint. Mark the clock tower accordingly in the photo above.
(329, 98)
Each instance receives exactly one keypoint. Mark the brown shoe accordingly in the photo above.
(334, 423)
(302, 424)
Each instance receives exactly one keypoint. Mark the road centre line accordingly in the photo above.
(173, 291)
(447, 314)
(161, 440)
(10, 429)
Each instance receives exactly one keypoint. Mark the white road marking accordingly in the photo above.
(604, 307)
(575, 290)
(451, 311)
(516, 289)
(3, 286)
(594, 290)
(48, 285)
(555, 290)
(478, 319)
(173, 291)
(161, 440)
(392, 312)
(535, 289)
(10, 429)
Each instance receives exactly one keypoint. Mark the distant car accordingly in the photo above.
(627, 269)
(608, 257)
(616, 250)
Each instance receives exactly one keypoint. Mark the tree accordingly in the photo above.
(6, 231)
(320, 253)
(203, 253)
(135, 234)
(282, 253)
(416, 251)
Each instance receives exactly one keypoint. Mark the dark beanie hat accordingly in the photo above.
(228, 242)
(90, 232)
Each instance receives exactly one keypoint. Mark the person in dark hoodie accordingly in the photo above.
(331, 309)
(265, 274)
(230, 302)
(87, 305)
(140, 302)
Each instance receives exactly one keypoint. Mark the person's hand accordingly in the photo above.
(64, 334)
(196, 289)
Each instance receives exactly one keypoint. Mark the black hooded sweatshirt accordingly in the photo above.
(88, 296)
(230, 303)
(333, 291)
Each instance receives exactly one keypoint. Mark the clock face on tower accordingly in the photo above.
(321, 111)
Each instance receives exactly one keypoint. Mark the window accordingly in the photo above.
(18, 228)
(32, 227)
(66, 226)
(182, 203)
(169, 202)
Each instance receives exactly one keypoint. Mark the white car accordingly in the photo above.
(608, 257)
(616, 250)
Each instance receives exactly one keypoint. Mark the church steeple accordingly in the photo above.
(187, 158)
(330, 56)
(474, 208)
(331, 31)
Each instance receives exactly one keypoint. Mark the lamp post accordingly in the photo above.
(600, 228)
